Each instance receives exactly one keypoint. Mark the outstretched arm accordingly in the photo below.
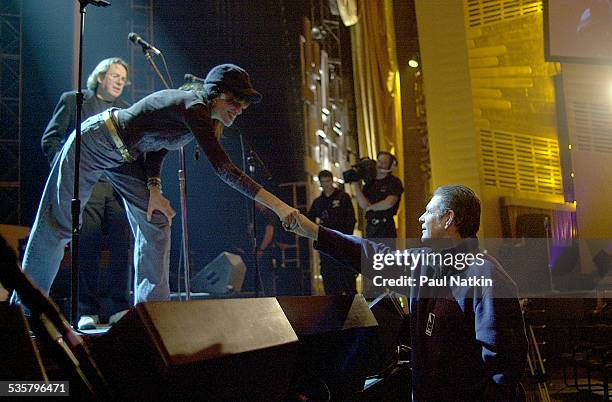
(201, 125)
(350, 250)
(287, 214)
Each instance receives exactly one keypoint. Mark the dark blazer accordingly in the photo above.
(62, 122)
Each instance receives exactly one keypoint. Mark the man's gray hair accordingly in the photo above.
(464, 203)
(102, 68)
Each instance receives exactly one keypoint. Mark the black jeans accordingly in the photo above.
(104, 291)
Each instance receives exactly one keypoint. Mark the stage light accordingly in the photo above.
(321, 133)
(414, 61)
(318, 33)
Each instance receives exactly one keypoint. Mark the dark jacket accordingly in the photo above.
(335, 212)
(475, 347)
(62, 122)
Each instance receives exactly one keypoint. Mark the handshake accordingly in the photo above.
(301, 225)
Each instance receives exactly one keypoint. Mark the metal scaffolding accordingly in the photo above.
(330, 140)
(10, 110)
(141, 75)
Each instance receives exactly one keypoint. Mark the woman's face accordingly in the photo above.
(227, 107)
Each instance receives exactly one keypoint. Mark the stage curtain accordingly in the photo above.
(376, 79)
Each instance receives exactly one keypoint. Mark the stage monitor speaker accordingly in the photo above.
(393, 331)
(224, 274)
(336, 335)
(214, 350)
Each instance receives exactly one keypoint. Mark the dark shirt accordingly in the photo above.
(335, 212)
(476, 348)
(169, 119)
(64, 115)
(263, 219)
(378, 190)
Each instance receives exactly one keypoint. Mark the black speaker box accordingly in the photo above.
(214, 350)
(393, 330)
(336, 336)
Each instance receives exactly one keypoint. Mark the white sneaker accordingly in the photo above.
(116, 317)
(88, 322)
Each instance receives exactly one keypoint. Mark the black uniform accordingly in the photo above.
(103, 214)
(335, 212)
(263, 219)
(380, 224)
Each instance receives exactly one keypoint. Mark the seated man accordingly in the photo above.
(468, 341)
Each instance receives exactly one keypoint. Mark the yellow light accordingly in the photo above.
(569, 147)
(413, 63)
(572, 175)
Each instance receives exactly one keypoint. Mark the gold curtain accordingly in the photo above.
(377, 93)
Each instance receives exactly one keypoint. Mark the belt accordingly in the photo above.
(376, 221)
(111, 126)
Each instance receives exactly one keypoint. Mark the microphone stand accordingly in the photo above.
(75, 204)
(252, 160)
(182, 176)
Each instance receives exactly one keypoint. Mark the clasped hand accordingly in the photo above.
(160, 203)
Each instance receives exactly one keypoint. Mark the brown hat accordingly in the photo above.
(234, 79)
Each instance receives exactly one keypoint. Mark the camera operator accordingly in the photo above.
(380, 198)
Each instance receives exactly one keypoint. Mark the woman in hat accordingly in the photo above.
(128, 146)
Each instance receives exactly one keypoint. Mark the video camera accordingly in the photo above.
(364, 169)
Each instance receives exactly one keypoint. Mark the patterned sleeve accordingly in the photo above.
(154, 161)
(199, 122)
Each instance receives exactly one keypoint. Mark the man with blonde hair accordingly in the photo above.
(102, 293)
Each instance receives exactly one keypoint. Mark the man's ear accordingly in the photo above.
(450, 219)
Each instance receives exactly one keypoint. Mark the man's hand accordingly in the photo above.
(288, 215)
(160, 203)
(302, 226)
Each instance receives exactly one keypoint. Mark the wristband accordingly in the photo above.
(154, 182)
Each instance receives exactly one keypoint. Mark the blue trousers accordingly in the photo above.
(52, 227)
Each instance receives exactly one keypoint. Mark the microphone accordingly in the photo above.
(146, 46)
(192, 78)
(97, 3)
